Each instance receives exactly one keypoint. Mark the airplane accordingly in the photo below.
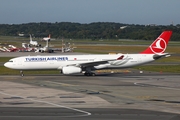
(34, 43)
(47, 38)
(5, 48)
(12, 48)
(67, 47)
(25, 47)
(72, 64)
(2, 50)
(45, 48)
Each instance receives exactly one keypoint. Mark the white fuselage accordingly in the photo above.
(46, 39)
(35, 43)
(58, 62)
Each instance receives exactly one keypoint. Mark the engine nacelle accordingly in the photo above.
(100, 66)
(41, 51)
(50, 51)
(71, 70)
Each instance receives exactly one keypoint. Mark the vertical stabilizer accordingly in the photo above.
(160, 44)
(30, 37)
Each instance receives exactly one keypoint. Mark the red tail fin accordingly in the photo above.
(160, 44)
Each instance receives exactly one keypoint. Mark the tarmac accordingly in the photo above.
(140, 96)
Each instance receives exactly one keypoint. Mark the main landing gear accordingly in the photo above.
(89, 74)
(22, 74)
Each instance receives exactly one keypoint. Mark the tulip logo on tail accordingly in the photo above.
(159, 46)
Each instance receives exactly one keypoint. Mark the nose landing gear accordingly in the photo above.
(22, 74)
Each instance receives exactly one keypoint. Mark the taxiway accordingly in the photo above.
(106, 96)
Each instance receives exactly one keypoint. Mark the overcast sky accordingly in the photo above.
(161, 12)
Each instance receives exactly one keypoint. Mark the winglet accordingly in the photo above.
(120, 58)
(160, 44)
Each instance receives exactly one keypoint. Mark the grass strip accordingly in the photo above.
(160, 68)
(7, 71)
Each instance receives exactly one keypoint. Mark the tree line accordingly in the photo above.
(97, 30)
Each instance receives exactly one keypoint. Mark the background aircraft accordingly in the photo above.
(47, 38)
(34, 43)
(45, 48)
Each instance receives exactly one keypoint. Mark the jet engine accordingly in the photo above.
(50, 51)
(41, 51)
(71, 70)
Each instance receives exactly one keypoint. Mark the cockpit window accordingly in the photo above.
(10, 60)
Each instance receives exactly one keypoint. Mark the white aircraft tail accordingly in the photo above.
(47, 43)
(160, 44)
(30, 37)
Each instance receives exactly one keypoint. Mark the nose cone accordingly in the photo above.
(8, 65)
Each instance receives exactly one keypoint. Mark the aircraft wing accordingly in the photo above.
(95, 63)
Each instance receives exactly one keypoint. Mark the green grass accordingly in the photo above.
(7, 71)
(5, 59)
(160, 68)
(171, 59)
(15, 40)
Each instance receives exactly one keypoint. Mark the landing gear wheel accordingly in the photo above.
(85, 74)
(89, 74)
(22, 74)
(93, 74)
